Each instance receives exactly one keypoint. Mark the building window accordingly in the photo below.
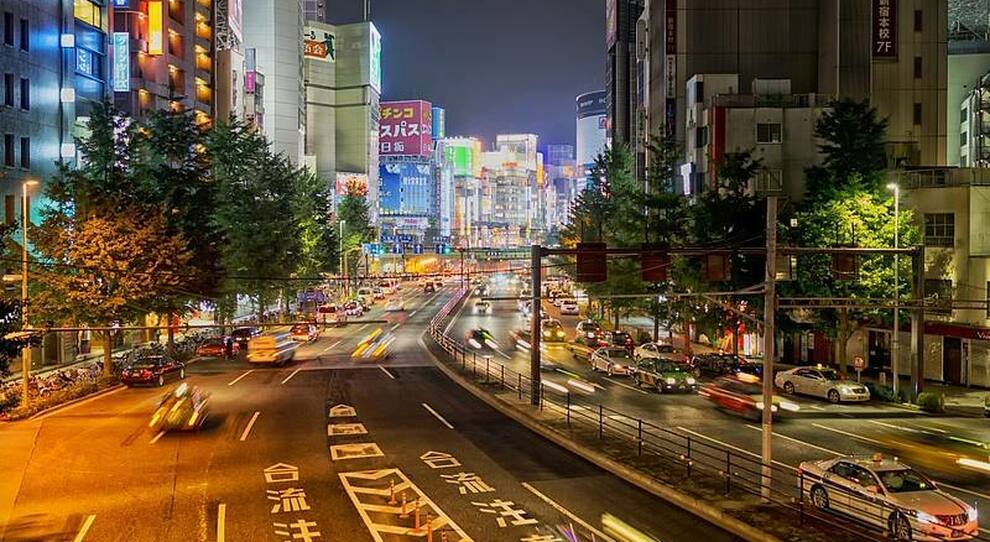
(699, 92)
(26, 152)
(25, 35)
(918, 20)
(964, 115)
(700, 136)
(917, 67)
(917, 114)
(940, 291)
(962, 138)
(88, 12)
(25, 93)
(8, 28)
(9, 209)
(8, 89)
(768, 132)
(940, 229)
(8, 150)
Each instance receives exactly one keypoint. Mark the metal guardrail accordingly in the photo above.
(737, 471)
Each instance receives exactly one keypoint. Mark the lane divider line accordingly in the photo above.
(413, 313)
(395, 327)
(386, 371)
(247, 429)
(731, 447)
(292, 374)
(848, 434)
(797, 441)
(567, 513)
(437, 416)
(221, 522)
(627, 386)
(327, 349)
(87, 523)
(157, 437)
(238, 379)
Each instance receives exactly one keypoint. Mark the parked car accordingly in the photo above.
(216, 347)
(663, 375)
(743, 395)
(612, 360)
(242, 335)
(305, 333)
(887, 494)
(569, 307)
(821, 382)
(152, 371)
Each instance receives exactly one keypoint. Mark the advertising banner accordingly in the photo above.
(406, 128)
(235, 16)
(121, 62)
(884, 28)
(375, 48)
(250, 70)
(390, 189)
(156, 30)
(318, 44)
(439, 123)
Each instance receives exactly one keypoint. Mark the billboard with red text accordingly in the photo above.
(406, 128)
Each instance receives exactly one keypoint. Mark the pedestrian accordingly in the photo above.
(228, 347)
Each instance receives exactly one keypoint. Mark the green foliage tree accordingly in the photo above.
(313, 208)
(11, 342)
(353, 212)
(852, 142)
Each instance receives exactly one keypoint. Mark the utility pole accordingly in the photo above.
(534, 327)
(918, 322)
(895, 345)
(769, 309)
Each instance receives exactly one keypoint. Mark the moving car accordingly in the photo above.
(887, 494)
(743, 395)
(569, 307)
(242, 335)
(723, 365)
(481, 339)
(821, 382)
(588, 326)
(481, 290)
(585, 345)
(378, 292)
(275, 349)
(216, 347)
(664, 376)
(552, 332)
(329, 314)
(354, 308)
(658, 351)
(482, 307)
(152, 370)
(429, 287)
(395, 305)
(305, 333)
(376, 346)
(613, 360)
(182, 409)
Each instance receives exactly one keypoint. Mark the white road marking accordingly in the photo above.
(362, 327)
(964, 490)
(247, 430)
(413, 313)
(627, 386)
(327, 349)
(395, 327)
(797, 441)
(236, 380)
(157, 437)
(437, 416)
(386, 371)
(503, 354)
(357, 450)
(87, 523)
(292, 374)
(848, 434)
(567, 513)
(731, 447)
(221, 522)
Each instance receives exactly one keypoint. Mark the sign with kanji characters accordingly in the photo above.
(281, 472)
(467, 482)
(884, 28)
(319, 44)
(439, 460)
(506, 513)
(406, 128)
(288, 500)
(298, 530)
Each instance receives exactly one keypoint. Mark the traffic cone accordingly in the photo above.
(391, 492)
(417, 514)
(405, 512)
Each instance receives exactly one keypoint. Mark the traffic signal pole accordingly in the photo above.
(769, 332)
(534, 327)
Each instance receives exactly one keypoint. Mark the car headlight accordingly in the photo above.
(925, 517)
(971, 513)
(691, 381)
(671, 380)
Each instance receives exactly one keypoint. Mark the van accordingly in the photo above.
(274, 349)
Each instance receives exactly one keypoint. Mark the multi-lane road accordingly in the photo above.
(325, 449)
(820, 430)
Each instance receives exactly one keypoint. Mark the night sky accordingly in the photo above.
(497, 66)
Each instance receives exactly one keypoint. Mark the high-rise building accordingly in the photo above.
(592, 134)
(273, 29)
(620, 72)
(315, 10)
(464, 156)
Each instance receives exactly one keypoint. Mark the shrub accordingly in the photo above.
(882, 393)
(931, 402)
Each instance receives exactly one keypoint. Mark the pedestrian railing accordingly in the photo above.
(712, 465)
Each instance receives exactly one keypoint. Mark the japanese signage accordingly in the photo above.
(235, 14)
(286, 498)
(156, 31)
(406, 128)
(670, 75)
(250, 70)
(399, 186)
(121, 62)
(439, 123)
(884, 28)
(375, 48)
(318, 44)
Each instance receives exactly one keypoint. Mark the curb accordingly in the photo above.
(77, 400)
(695, 506)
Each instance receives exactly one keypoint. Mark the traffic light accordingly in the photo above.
(654, 262)
(715, 267)
(592, 262)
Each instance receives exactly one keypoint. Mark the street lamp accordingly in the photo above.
(895, 344)
(26, 350)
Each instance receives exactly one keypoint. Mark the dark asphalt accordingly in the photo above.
(94, 472)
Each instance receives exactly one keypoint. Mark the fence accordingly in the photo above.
(735, 471)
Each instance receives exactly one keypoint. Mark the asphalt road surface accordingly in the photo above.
(325, 449)
(820, 430)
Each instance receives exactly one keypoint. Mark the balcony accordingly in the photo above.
(941, 177)
(782, 101)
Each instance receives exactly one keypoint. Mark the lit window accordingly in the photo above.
(88, 12)
(768, 133)
(85, 62)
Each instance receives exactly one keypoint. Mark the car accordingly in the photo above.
(366, 296)
(888, 494)
(569, 307)
(742, 394)
(482, 307)
(272, 349)
(152, 371)
(658, 351)
(376, 346)
(305, 333)
(552, 332)
(354, 308)
(715, 365)
(329, 314)
(613, 360)
(216, 347)
(588, 326)
(429, 288)
(664, 376)
(242, 335)
(183, 409)
(481, 291)
(378, 292)
(619, 338)
(395, 305)
(481, 339)
(585, 344)
(821, 382)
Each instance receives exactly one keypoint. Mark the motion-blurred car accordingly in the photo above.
(395, 305)
(612, 360)
(663, 375)
(584, 345)
(585, 327)
(429, 287)
(354, 308)
(821, 382)
(183, 409)
(888, 494)
(569, 307)
(481, 339)
(743, 394)
(715, 365)
(216, 347)
(152, 371)
(305, 333)
(552, 332)
(242, 335)
(658, 351)
(376, 346)
(481, 290)
(482, 307)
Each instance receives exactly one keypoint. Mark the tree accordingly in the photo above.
(11, 342)
(853, 145)
(353, 213)
(318, 233)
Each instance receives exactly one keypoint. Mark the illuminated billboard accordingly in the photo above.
(439, 123)
(375, 48)
(406, 128)
(156, 30)
(319, 44)
(121, 62)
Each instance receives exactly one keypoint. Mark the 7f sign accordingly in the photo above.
(884, 28)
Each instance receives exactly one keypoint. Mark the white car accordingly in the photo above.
(612, 360)
(482, 307)
(821, 382)
(889, 495)
(395, 305)
(657, 351)
(569, 307)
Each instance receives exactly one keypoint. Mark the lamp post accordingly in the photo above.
(895, 343)
(340, 252)
(26, 351)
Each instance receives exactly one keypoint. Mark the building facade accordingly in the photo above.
(592, 132)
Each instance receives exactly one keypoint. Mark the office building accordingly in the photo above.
(620, 64)
(315, 10)
(592, 132)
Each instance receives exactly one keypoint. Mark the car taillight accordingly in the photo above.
(145, 373)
